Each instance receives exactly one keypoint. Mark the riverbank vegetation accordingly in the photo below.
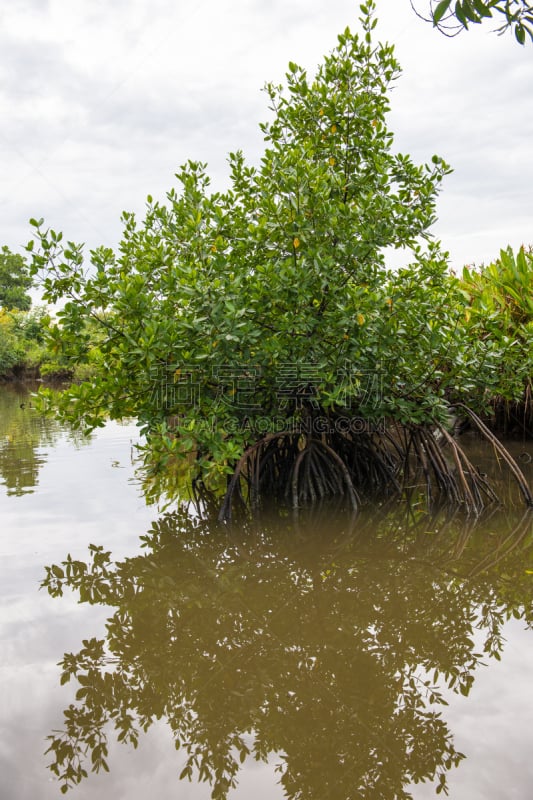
(26, 348)
(26, 351)
(15, 280)
(499, 314)
(21, 329)
(258, 335)
(22, 348)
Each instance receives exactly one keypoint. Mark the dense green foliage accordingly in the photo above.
(220, 308)
(454, 16)
(267, 310)
(22, 335)
(21, 329)
(15, 281)
(499, 320)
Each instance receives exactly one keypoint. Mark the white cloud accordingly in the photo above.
(100, 104)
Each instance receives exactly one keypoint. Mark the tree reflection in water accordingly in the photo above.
(22, 435)
(25, 435)
(328, 643)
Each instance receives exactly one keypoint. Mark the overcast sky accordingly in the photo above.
(101, 102)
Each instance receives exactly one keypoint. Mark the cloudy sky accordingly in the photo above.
(101, 102)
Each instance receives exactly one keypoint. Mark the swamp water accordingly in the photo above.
(297, 658)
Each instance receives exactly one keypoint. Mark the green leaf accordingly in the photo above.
(520, 33)
(481, 8)
(440, 11)
(469, 11)
(459, 13)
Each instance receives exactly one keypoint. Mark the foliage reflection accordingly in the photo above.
(330, 643)
(23, 434)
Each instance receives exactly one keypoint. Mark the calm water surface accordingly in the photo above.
(307, 659)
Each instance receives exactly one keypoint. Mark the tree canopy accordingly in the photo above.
(257, 332)
(219, 307)
(15, 280)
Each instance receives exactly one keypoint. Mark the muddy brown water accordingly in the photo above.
(313, 657)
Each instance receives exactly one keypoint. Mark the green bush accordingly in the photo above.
(220, 306)
(22, 339)
(498, 320)
(228, 323)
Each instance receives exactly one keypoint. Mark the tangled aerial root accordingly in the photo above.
(300, 469)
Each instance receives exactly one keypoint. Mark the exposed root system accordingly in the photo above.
(300, 469)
